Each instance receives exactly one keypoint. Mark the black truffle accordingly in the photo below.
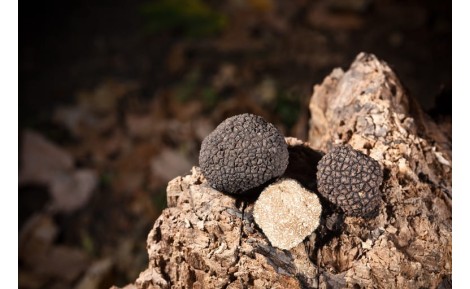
(243, 152)
(351, 180)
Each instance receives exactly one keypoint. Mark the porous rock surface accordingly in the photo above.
(409, 243)
(243, 152)
(206, 239)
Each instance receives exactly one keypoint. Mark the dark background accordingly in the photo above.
(129, 89)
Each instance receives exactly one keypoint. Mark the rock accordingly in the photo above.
(206, 239)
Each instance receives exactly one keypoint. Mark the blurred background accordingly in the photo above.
(116, 96)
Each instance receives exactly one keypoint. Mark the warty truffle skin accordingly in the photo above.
(351, 180)
(243, 152)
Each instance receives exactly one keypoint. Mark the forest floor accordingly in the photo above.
(116, 97)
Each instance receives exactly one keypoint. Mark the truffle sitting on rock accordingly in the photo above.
(243, 152)
(351, 180)
(287, 213)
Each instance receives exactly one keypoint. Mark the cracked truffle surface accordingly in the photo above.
(243, 152)
(351, 180)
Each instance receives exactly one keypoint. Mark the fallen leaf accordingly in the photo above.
(141, 125)
(169, 164)
(104, 98)
(128, 286)
(36, 237)
(266, 91)
(226, 77)
(75, 118)
(202, 128)
(42, 260)
(184, 111)
(71, 191)
(31, 280)
(131, 168)
(95, 274)
(41, 159)
(321, 17)
(62, 262)
(43, 162)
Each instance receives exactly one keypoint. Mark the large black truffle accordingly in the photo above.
(243, 152)
(351, 180)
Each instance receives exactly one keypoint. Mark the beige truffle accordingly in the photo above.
(287, 213)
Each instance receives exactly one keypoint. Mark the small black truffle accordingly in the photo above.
(351, 180)
(243, 152)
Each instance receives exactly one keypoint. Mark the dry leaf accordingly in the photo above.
(95, 274)
(41, 159)
(71, 191)
(169, 164)
(43, 162)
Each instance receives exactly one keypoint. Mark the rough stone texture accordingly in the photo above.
(206, 239)
(350, 180)
(243, 152)
(287, 213)
(409, 243)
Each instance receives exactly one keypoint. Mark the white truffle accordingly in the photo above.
(287, 213)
